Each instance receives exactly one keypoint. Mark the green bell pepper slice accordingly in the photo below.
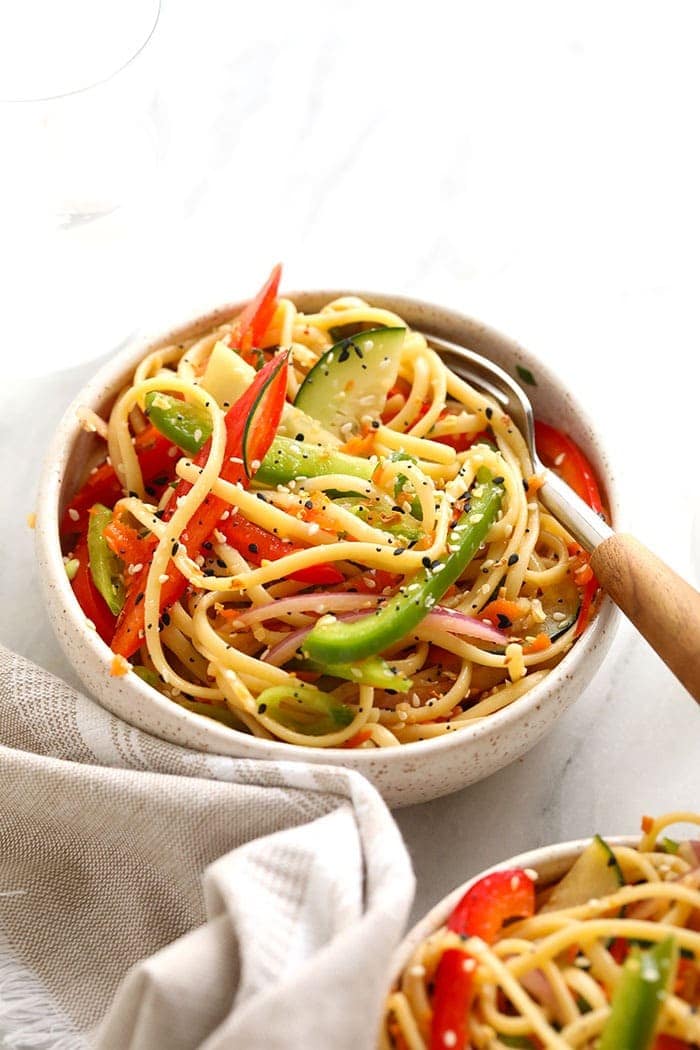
(304, 709)
(218, 712)
(373, 671)
(287, 459)
(339, 641)
(106, 568)
(189, 427)
(637, 1000)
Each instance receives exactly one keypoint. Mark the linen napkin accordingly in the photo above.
(152, 896)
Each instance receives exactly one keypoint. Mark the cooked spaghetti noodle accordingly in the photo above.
(333, 546)
(548, 981)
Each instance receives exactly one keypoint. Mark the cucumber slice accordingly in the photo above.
(562, 602)
(352, 380)
(595, 874)
(227, 377)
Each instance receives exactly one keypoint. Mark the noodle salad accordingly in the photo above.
(307, 527)
(606, 958)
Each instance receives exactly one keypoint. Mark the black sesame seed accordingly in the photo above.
(504, 621)
(513, 559)
(253, 548)
(489, 413)
(139, 598)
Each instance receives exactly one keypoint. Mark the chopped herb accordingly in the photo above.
(526, 375)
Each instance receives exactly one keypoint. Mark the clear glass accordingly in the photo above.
(81, 162)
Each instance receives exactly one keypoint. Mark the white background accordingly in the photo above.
(534, 165)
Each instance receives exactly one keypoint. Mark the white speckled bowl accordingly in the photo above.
(550, 863)
(415, 772)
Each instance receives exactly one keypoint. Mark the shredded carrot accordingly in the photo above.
(647, 824)
(31, 520)
(583, 574)
(501, 607)
(541, 643)
(358, 738)
(397, 1036)
(534, 483)
(119, 666)
(362, 445)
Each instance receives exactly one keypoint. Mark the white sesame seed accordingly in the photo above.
(417, 970)
(255, 465)
(172, 452)
(219, 536)
(163, 578)
(560, 459)
(559, 616)
(515, 882)
(449, 1037)
(73, 514)
(197, 435)
(532, 874)
(469, 965)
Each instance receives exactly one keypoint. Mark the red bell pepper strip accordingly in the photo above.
(157, 468)
(256, 544)
(89, 598)
(126, 543)
(481, 912)
(250, 325)
(562, 455)
(451, 998)
(670, 1042)
(269, 384)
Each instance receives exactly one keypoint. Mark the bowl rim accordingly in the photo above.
(558, 853)
(118, 366)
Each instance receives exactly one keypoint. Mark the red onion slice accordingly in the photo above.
(443, 619)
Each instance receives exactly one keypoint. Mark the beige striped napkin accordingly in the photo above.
(154, 897)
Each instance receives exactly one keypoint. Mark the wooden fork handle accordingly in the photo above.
(662, 606)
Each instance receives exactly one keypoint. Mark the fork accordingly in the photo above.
(664, 608)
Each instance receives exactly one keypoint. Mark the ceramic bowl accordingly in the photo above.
(550, 862)
(415, 772)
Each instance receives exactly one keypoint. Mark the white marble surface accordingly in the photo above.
(534, 165)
